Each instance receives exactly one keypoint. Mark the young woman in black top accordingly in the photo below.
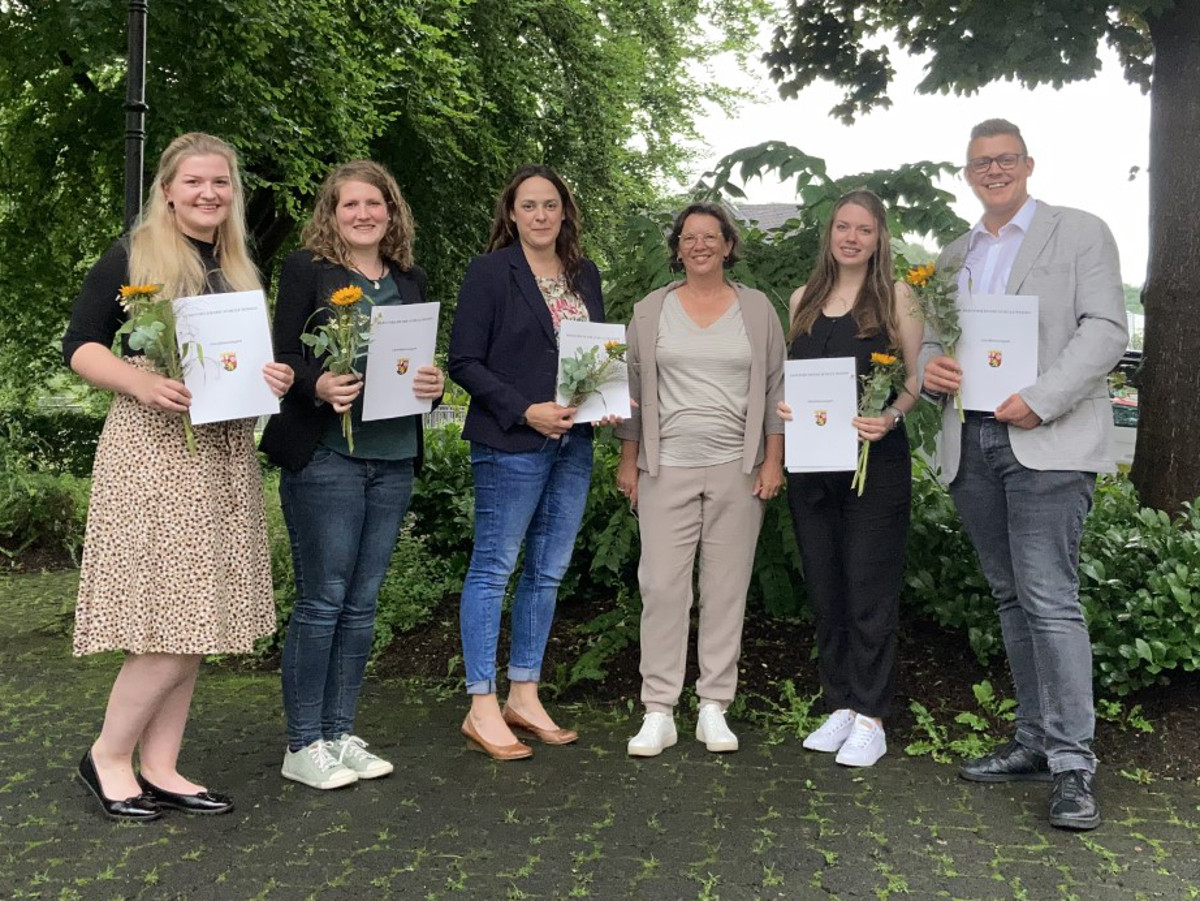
(343, 508)
(853, 547)
(175, 561)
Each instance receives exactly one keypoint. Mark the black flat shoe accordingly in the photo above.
(1012, 763)
(138, 809)
(1073, 801)
(204, 802)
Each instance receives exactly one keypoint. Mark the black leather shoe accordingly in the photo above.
(1012, 763)
(205, 802)
(1073, 802)
(138, 809)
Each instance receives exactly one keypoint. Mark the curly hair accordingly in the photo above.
(729, 231)
(567, 244)
(874, 308)
(321, 234)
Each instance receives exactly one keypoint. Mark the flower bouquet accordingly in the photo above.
(151, 330)
(585, 373)
(339, 339)
(885, 379)
(937, 294)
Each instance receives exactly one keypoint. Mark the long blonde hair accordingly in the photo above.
(159, 253)
(321, 234)
(874, 309)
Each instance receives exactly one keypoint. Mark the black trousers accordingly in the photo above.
(853, 553)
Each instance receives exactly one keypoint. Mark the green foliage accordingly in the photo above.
(1032, 42)
(53, 441)
(443, 504)
(39, 511)
(983, 730)
(451, 94)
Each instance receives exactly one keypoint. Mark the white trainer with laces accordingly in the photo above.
(832, 733)
(712, 730)
(351, 751)
(657, 732)
(315, 767)
(866, 743)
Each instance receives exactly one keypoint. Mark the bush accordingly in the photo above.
(40, 512)
(54, 441)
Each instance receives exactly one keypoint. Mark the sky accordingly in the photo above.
(1084, 139)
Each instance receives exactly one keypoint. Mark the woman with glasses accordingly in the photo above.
(700, 457)
(852, 547)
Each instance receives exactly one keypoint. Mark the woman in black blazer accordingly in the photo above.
(532, 463)
(343, 508)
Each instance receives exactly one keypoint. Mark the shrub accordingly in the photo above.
(54, 441)
(40, 511)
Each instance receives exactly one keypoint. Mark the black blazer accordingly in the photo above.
(503, 350)
(305, 286)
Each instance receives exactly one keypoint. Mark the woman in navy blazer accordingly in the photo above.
(532, 463)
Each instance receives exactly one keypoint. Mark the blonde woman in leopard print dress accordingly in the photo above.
(175, 562)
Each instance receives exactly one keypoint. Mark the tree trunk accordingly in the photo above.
(1166, 466)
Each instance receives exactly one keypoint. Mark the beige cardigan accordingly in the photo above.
(765, 332)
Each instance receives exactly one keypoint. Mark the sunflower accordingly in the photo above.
(919, 276)
(344, 297)
(883, 359)
(128, 291)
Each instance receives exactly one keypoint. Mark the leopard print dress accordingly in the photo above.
(175, 556)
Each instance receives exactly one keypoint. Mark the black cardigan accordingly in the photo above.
(305, 285)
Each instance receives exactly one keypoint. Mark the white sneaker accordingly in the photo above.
(865, 745)
(832, 733)
(351, 751)
(316, 767)
(711, 729)
(657, 732)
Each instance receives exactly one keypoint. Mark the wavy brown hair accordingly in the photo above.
(729, 231)
(159, 253)
(321, 234)
(874, 308)
(567, 245)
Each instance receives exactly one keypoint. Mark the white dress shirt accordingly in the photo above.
(990, 257)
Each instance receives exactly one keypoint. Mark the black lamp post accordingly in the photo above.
(135, 109)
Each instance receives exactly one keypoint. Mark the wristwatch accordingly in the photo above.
(897, 416)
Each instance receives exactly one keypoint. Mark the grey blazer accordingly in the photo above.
(765, 332)
(1069, 260)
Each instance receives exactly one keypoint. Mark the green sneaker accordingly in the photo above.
(316, 767)
(351, 751)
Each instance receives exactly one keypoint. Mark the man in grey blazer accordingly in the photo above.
(1022, 476)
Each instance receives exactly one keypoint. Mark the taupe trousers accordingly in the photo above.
(682, 509)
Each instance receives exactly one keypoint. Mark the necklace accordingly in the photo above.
(374, 281)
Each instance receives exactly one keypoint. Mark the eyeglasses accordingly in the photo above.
(1005, 161)
(709, 240)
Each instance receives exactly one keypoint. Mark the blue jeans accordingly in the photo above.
(1026, 526)
(343, 516)
(537, 497)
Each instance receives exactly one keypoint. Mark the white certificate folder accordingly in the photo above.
(403, 338)
(225, 341)
(823, 396)
(612, 397)
(998, 350)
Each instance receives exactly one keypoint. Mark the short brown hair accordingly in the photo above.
(729, 231)
(990, 128)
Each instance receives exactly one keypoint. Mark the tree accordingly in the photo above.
(451, 94)
(1053, 42)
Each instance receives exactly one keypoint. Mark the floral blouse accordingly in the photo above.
(562, 302)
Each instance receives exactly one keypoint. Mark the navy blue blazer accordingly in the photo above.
(503, 350)
(305, 285)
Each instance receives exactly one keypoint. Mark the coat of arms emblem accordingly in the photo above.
(820, 417)
(401, 365)
(229, 361)
(995, 358)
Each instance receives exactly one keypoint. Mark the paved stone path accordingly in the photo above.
(769, 822)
